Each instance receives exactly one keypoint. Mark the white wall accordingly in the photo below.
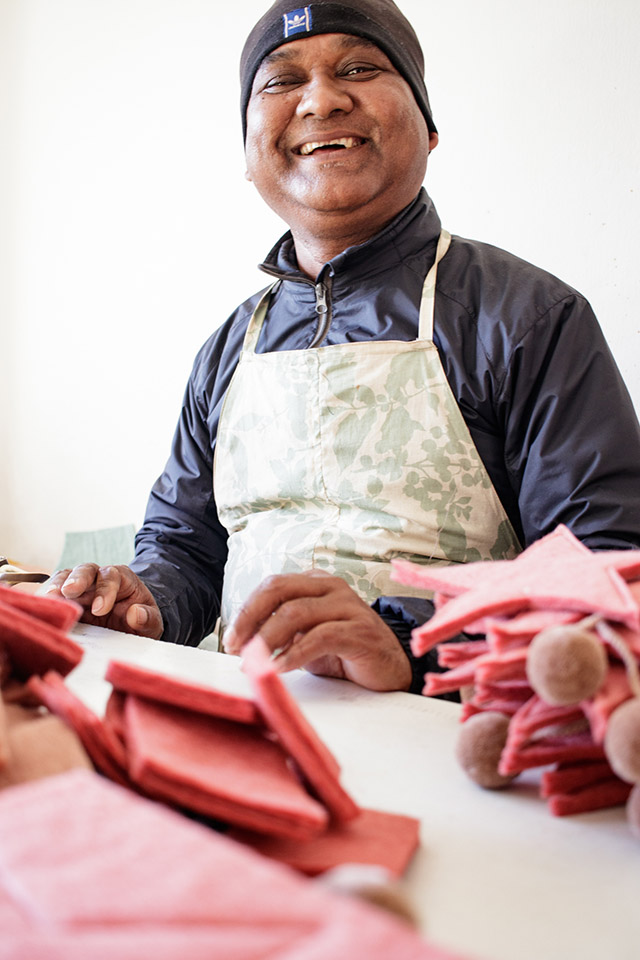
(127, 230)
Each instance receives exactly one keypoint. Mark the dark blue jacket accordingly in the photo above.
(524, 356)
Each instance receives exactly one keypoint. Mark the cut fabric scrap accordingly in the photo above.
(33, 631)
(388, 840)
(283, 715)
(225, 770)
(130, 678)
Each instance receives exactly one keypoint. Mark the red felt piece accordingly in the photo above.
(385, 839)
(52, 610)
(599, 796)
(92, 871)
(34, 646)
(219, 768)
(129, 678)
(283, 715)
(114, 714)
(535, 714)
(106, 751)
(572, 777)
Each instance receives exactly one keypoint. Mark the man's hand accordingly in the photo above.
(113, 597)
(316, 621)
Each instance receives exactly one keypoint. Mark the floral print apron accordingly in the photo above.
(345, 456)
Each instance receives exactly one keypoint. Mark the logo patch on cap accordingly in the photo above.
(298, 21)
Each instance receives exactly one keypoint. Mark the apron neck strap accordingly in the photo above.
(427, 303)
(255, 323)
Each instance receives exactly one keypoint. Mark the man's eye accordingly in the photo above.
(361, 70)
(278, 83)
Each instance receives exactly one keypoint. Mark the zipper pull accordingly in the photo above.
(321, 300)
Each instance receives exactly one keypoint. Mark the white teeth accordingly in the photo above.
(347, 142)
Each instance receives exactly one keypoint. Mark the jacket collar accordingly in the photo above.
(405, 236)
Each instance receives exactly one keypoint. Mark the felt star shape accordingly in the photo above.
(555, 573)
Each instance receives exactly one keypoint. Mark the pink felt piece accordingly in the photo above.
(52, 610)
(438, 683)
(283, 715)
(129, 678)
(33, 645)
(92, 871)
(614, 691)
(487, 668)
(106, 751)
(555, 573)
(519, 630)
(548, 750)
(535, 715)
(5, 750)
(497, 705)
(219, 768)
(384, 839)
(454, 654)
(516, 692)
(495, 667)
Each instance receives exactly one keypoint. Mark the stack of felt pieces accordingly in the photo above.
(549, 673)
(33, 639)
(93, 868)
(251, 764)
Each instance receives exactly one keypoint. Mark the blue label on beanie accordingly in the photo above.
(298, 21)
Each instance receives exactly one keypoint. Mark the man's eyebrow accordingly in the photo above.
(347, 42)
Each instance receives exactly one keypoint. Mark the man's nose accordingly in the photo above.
(322, 95)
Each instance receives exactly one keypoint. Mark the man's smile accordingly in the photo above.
(336, 143)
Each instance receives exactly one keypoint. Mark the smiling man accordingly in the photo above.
(395, 392)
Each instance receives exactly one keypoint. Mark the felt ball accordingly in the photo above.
(566, 664)
(480, 743)
(622, 740)
(633, 811)
(373, 884)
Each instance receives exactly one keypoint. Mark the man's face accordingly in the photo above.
(333, 133)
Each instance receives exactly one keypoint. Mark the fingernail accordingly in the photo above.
(97, 606)
(142, 616)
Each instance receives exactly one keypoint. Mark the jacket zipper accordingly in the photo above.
(323, 300)
(323, 309)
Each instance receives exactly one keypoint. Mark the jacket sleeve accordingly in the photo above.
(182, 547)
(571, 435)
(558, 434)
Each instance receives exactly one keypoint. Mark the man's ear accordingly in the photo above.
(247, 176)
(433, 140)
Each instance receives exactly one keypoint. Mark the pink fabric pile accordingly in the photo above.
(508, 607)
(89, 869)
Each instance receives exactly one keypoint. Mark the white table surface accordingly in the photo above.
(496, 876)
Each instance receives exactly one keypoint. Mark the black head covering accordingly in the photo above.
(377, 20)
